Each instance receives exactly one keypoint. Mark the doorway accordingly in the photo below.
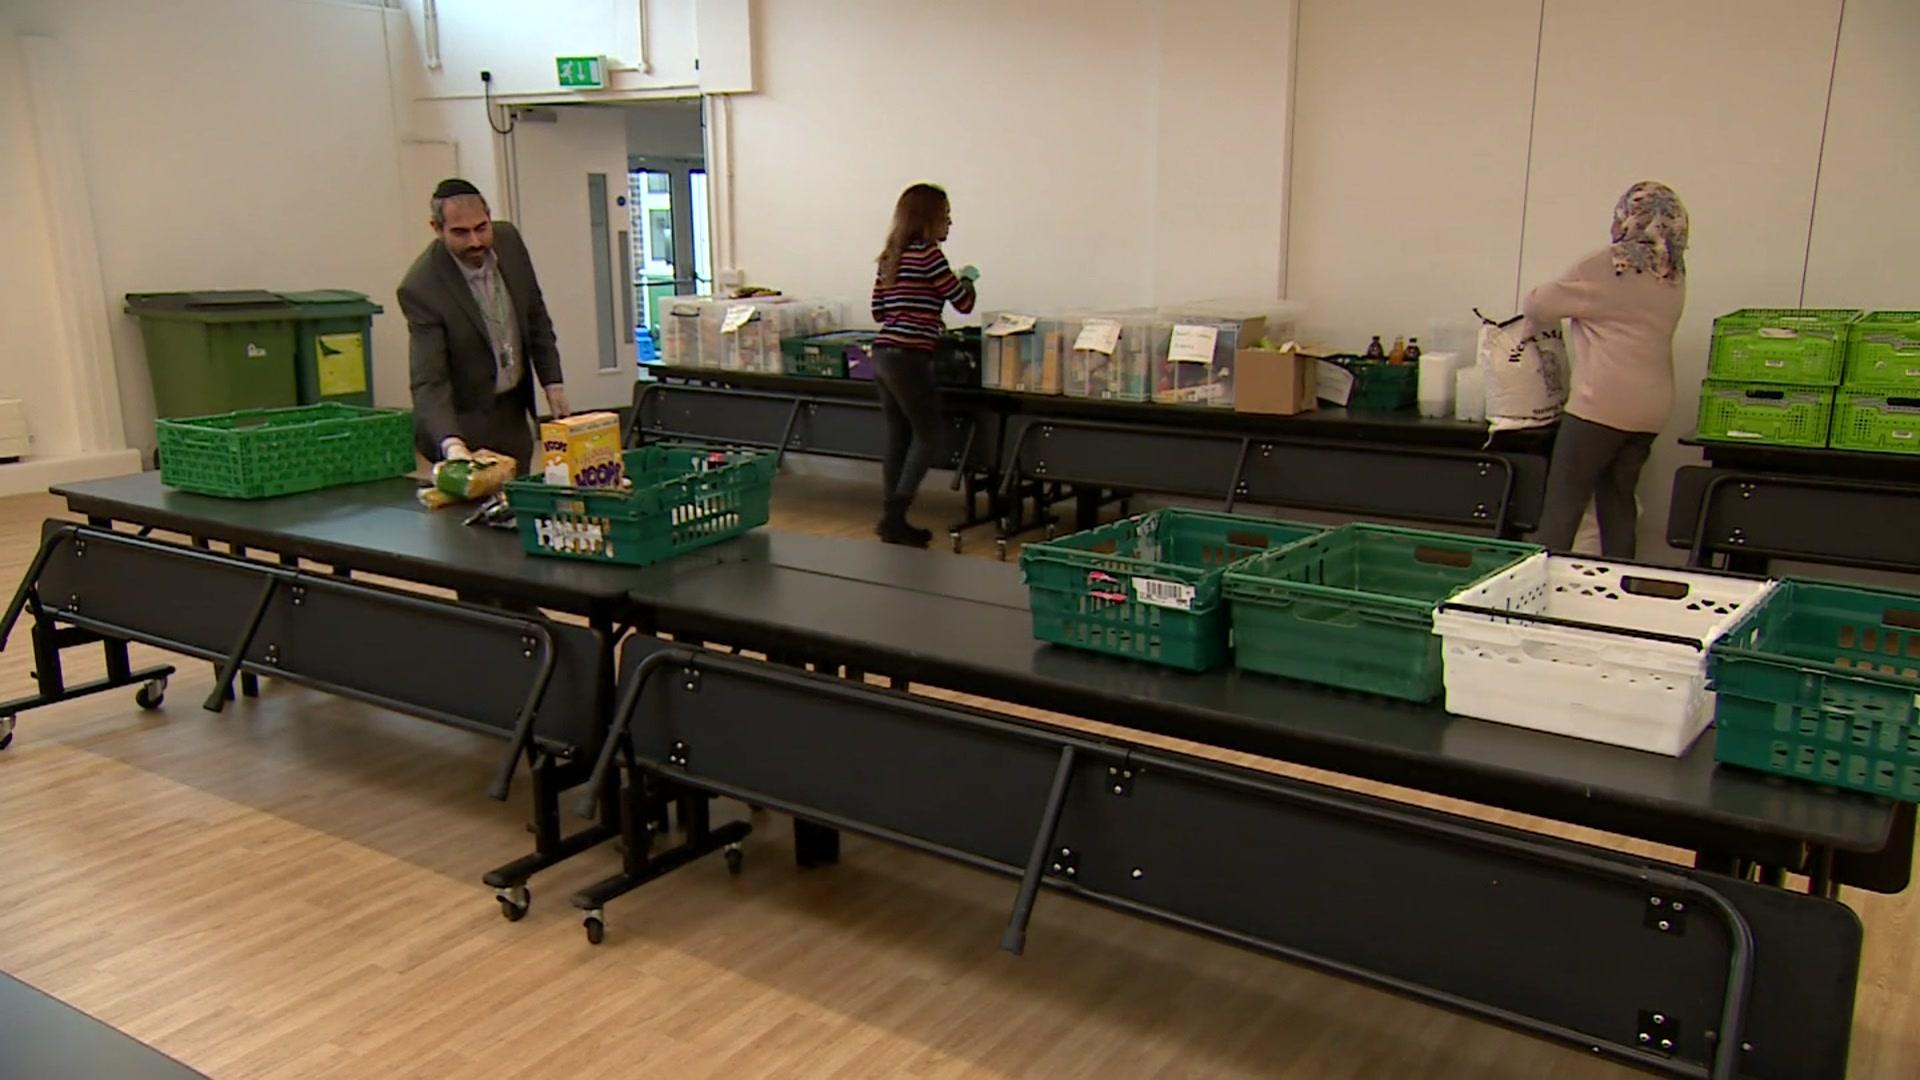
(612, 201)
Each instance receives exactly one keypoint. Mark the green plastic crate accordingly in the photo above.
(1800, 346)
(258, 453)
(822, 355)
(1760, 412)
(1147, 588)
(1820, 683)
(1883, 350)
(1353, 608)
(683, 497)
(1877, 420)
(1382, 387)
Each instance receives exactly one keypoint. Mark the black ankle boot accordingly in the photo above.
(894, 529)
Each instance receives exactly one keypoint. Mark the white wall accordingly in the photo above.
(1142, 164)
(1866, 231)
(30, 344)
(1415, 198)
(269, 162)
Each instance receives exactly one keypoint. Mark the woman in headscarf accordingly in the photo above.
(1621, 304)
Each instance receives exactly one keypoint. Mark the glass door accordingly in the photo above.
(667, 204)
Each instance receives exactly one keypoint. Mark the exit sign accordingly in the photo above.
(582, 72)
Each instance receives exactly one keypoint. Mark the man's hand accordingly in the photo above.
(557, 401)
(455, 449)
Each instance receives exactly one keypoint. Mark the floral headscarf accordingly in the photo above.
(1650, 232)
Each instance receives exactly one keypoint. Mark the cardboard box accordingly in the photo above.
(1279, 382)
(582, 451)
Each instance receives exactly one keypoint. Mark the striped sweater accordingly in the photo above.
(908, 311)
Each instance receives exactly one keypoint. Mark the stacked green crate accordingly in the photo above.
(1772, 374)
(1878, 404)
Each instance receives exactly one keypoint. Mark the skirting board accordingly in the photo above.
(32, 475)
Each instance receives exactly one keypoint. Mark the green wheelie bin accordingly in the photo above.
(217, 352)
(333, 353)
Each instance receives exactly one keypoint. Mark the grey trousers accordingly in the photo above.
(1598, 464)
(910, 401)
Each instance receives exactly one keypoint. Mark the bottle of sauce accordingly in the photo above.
(1375, 351)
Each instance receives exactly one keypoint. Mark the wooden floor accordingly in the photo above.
(291, 889)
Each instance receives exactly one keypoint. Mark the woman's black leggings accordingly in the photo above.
(911, 402)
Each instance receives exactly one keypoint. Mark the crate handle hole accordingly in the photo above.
(1904, 618)
(1246, 540)
(1766, 395)
(1655, 588)
(1434, 556)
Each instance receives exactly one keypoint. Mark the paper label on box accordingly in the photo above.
(1166, 594)
(1098, 335)
(1334, 383)
(1193, 344)
(738, 316)
(1004, 324)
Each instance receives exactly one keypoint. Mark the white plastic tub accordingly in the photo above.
(1611, 652)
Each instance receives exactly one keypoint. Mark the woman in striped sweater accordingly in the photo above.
(911, 291)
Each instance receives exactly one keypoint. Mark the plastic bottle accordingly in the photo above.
(1398, 354)
(1413, 350)
(1375, 351)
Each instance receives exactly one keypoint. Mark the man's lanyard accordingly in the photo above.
(498, 311)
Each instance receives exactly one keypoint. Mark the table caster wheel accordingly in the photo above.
(1000, 547)
(1050, 530)
(596, 929)
(152, 695)
(514, 902)
(6, 731)
(735, 857)
(955, 537)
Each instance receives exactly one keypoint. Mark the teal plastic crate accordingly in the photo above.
(1379, 386)
(1798, 346)
(1883, 350)
(1353, 607)
(260, 453)
(1758, 412)
(1820, 683)
(1877, 420)
(1147, 588)
(682, 498)
(822, 355)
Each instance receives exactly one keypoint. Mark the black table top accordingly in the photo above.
(377, 528)
(1327, 423)
(1808, 460)
(963, 624)
(48, 1038)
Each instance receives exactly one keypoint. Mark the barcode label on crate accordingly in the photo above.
(1166, 594)
(576, 537)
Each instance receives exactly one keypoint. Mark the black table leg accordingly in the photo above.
(815, 844)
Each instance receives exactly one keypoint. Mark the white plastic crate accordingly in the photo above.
(1610, 652)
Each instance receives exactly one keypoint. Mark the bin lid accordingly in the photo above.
(231, 305)
(331, 303)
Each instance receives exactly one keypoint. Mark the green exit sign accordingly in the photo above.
(582, 72)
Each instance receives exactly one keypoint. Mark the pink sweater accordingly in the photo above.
(1620, 328)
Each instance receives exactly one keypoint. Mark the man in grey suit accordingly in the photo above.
(475, 323)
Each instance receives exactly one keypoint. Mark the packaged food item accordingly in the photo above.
(478, 477)
(582, 450)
